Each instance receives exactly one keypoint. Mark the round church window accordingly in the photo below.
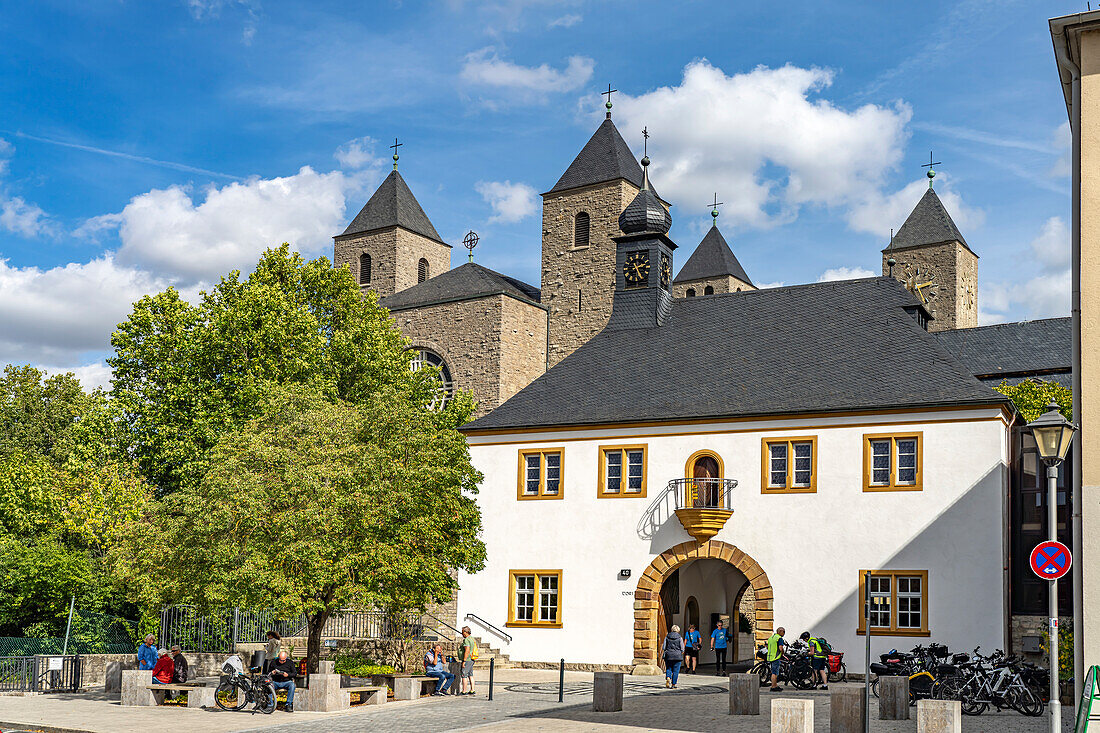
(426, 357)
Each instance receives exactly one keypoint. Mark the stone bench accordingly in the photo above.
(369, 695)
(138, 690)
(406, 687)
(325, 695)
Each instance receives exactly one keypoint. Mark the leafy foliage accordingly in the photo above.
(39, 413)
(357, 664)
(1032, 396)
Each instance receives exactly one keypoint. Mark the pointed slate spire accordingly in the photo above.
(605, 157)
(712, 258)
(929, 223)
(645, 214)
(393, 204)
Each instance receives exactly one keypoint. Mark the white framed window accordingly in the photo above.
(622, 471)
(898, 603)
(892, 462)
(540, 474)
(534, 598)
(789, 465)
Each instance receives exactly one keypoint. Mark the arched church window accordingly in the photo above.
(427, 357)
(690, 292)
(708, 290)
(364, 269)
(581, 230)
(421, 270)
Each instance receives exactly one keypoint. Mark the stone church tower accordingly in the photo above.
(712, 268)
(580, 215)
(391, 244)
(934, 261)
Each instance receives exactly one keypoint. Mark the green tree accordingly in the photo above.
(185, 376)
(38, 413)
(316, 505)
(1032, 397)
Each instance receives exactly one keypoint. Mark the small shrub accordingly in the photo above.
(355, 663)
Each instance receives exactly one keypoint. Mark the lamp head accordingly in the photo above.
(1053, 434)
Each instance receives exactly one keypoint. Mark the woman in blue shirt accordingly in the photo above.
(692, 642)
(147, 653)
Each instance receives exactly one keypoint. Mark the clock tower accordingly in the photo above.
(643, 261)
(931, 257)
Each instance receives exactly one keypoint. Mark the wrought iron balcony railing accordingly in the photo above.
(702, 493)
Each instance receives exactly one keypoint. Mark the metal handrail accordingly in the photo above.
(488, 625)
(441, 621)
(702, 493)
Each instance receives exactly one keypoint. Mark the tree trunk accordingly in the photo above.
(313, 645)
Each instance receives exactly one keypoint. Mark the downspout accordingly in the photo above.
(1006, 538)
(1065, 62)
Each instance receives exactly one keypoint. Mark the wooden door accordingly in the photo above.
(706, 492)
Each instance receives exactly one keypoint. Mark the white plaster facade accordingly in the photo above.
(811, 546)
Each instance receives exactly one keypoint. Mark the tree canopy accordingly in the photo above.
(1032, 397)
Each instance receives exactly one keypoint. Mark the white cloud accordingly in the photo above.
(510, 202)
(879, 212)
(566, 21)
(768, 136)
(357, 153)
(16, 214)
(1045, 295)
(844, 273)
(91, 375)
(485, 68)
(167, 232)
(776, 284)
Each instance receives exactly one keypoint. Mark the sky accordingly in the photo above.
(147, 145)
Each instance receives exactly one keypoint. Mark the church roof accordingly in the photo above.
(1041, 349)
(712, 258)
(929, 223)
(605, 157)
(824, 347)
(393, 204)
(462, 283)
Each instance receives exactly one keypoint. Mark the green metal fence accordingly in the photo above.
(92, 633)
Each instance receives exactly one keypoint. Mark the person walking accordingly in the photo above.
(147, 653)
(672, 652)
(819, 658)
(469, 655)
(719, 642)
(271, 649)
(692, 642)
(776, 642)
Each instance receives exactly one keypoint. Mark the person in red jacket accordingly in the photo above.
(165, 668)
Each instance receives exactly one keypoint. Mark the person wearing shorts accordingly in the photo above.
(468, 646)
(776, 642)
(692, 642)
(819, 660)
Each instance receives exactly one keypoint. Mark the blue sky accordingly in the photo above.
(148, 144)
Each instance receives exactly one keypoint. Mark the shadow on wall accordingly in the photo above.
(946, 548)
(660, 525)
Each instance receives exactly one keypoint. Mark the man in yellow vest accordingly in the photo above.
(776, 642)
(819, 658)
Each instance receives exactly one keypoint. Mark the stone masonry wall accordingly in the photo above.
(724, 284)
(522, 346)
(395, 255)
(966, 294)
(467, 334)
(578, 284)
(951, 264)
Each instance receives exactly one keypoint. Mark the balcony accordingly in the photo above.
(702, 504)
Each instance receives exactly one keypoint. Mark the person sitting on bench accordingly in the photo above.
(179, 665)
(434, 666)
(165, 668)
(282, 676)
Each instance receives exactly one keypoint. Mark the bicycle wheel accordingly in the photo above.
(841, 675)
(765, 673)
(1026, 702)
(946, 688)
(264, 694)
(874, 687)
(971, 703)
(801, 676)
(230, 696)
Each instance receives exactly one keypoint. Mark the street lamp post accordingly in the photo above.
(1053, 435)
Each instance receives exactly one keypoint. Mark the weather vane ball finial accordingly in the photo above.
(645, 146)
(608, 94)
(714, 210)
(394, 147)
(931, 172)
(469, 242)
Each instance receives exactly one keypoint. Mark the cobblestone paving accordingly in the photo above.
(527, 700)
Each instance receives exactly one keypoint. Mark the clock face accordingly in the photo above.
(921, 281)
(666, 272)
(636, 269)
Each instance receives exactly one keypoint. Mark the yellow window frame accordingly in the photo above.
(521, 484)
(893, 484)
(766, 486)
(622, 493)
(893, 630)
(537, 610)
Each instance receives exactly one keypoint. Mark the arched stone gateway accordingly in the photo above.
(649, 587)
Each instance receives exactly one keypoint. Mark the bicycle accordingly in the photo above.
(237, 689)
(996, 681)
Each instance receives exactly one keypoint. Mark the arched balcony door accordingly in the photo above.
(705, 468)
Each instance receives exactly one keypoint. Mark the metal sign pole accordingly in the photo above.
(867, 652)
(68, 626)
(1052, 519)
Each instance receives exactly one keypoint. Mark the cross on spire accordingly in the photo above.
(394, 147)
(714, 210)
(645, 142)
(931, 172)
(608, 93)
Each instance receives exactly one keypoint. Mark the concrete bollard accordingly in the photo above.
(135, 690)
(406, 688)
(893, 697)
(744, 694)
(607, 692)
(939, 716)
(847, 710)
(112, 677)
(323, 696)
(200, 697)
(792, 716)
(327, 666)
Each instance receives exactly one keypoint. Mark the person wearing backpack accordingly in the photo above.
(469, 656)
(819, 657)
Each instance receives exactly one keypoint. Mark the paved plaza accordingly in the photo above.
(524, 700)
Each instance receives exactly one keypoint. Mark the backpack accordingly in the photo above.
(823, 645)
(473, 652)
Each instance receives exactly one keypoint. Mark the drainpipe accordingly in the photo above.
(1065, 62)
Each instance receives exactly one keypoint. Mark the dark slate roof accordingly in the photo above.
(712, 258)
(1015, 351)
(645, 214)
(393, 204)
(834, 346)
(605, 157)
(462, 283)
(929, 223)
